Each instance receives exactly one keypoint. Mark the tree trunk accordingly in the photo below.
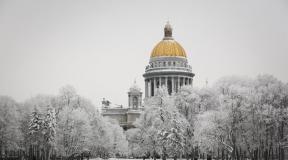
(272, 154)
(217, 153)
(48, 152)
(163, 153)
(237, 153)
(254, 155)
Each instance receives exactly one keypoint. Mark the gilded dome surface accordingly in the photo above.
(168, 48)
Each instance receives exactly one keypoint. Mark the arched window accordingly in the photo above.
(135, 102)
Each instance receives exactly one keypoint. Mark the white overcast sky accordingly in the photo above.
(100, 47)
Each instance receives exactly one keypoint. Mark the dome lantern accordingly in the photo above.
(134, 87)
(168, 31)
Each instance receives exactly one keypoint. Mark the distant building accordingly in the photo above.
(125, 116)
(168, 67)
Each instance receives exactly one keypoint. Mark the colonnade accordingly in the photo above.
(173, 84)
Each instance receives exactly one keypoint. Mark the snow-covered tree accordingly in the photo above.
(251, 119)
(161, 127)
(108, 138)
(146, 133)
(10, 133)
(50, 130)
(36, 124)
(42, 130)
(73, 131)
(134, 138)
(119, 140)
(191, 102)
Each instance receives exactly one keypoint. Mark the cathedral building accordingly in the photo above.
(168, 67)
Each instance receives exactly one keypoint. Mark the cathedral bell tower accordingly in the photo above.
(134, 97)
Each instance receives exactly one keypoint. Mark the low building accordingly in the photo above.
(126, 116)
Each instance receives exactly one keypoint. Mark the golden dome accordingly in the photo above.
(168, 46)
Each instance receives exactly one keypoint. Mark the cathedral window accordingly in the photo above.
(135, 102)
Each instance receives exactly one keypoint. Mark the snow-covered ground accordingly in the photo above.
(134, 159)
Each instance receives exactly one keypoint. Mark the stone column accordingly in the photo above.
(146, 88)
(129, 101)
(155, 86)
(150, 89)
(173, 85)
(178, 83)
(184, 81)
(166, 82)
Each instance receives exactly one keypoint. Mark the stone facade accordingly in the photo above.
(125, 116)
(169, 72)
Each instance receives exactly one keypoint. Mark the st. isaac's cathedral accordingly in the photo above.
(168, 67)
